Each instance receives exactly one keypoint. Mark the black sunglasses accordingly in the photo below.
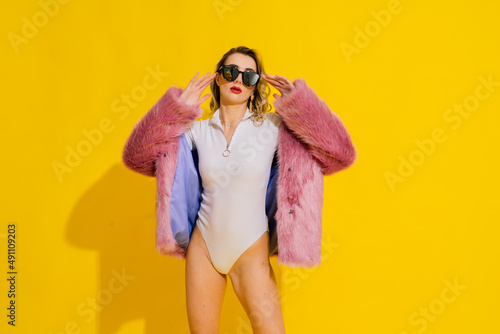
(231, 72)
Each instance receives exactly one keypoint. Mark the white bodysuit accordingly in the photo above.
(232, 210)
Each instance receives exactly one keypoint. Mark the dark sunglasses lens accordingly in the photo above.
(250, 78)
(228, 72)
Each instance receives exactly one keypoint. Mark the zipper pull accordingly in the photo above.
(226, 152)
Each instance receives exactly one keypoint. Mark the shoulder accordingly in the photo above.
(199, 123)
(197, 126)
(274, 118)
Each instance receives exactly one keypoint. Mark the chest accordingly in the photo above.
(228, 133)
(241, 156)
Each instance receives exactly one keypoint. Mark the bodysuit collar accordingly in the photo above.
(216, 116)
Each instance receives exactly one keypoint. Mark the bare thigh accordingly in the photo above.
(255, 286)
(205, 288)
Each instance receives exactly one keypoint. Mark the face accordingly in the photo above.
(243, 63)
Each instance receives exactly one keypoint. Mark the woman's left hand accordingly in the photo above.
(282, 84)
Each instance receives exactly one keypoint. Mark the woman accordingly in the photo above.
(240, 186)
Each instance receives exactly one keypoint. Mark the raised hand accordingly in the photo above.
(282, 84)
(191, 95)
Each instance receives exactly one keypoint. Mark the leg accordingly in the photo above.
(205, 288)
(255, 286)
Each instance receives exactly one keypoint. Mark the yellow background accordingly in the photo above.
(390, 250)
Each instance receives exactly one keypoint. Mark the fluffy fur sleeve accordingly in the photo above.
(165, 121)
(310, 119)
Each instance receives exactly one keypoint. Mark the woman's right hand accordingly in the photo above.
(191, 95)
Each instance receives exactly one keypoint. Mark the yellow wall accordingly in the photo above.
(416, 214)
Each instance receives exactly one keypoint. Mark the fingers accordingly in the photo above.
(196, 87)
(283, 79)
(204, 98)
(203, 82)
(208, 80)
(200, 79)
(279, 86)
(203, 85)
(192, 79)
(278, 81)
(277, 78)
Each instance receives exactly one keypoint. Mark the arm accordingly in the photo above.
(310, 119)
(165, 121)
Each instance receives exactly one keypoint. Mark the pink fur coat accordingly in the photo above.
(312, 142)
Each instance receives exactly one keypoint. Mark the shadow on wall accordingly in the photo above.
(116, 218)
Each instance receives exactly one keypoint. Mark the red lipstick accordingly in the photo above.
(236, 90)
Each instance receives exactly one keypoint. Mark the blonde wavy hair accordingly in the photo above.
(260, 105)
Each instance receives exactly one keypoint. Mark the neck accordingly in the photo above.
(232, 113)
